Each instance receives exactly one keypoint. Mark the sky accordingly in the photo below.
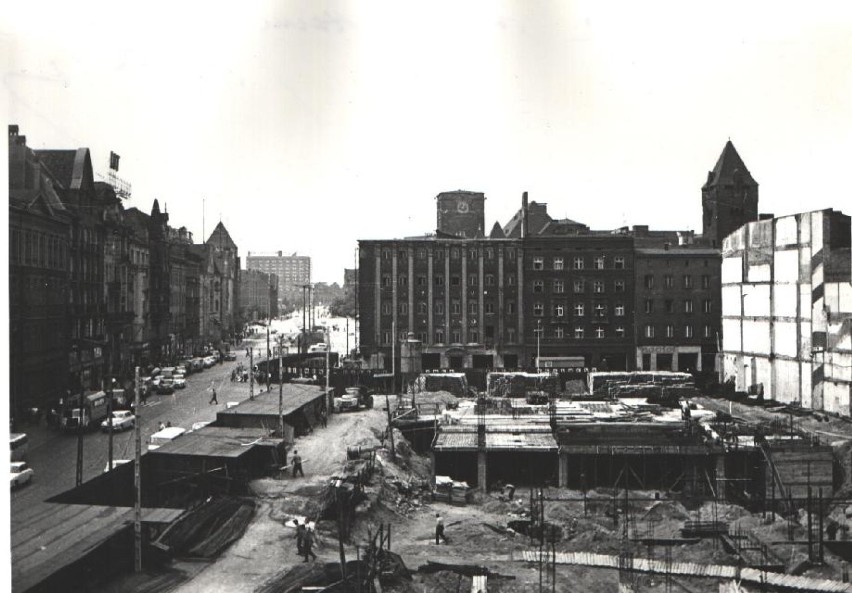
(305, 126)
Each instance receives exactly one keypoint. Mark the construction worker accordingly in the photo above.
(308, 544)
(300, 538)
(439, 529)
(297, 464)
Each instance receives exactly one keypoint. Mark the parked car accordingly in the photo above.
(209, 361)
(116, 463)
(166, 387)
(121, 420)
(179, 382)
(198, 364)
(21, 473)
(182, 369)
(231, 355)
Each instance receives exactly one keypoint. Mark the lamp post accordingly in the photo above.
(538, 348)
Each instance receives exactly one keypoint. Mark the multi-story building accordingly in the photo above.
(293, 271)
(71, 171)
(39, 231)
(787, 309)
(218, 287)
(140, 273)
(258, 295)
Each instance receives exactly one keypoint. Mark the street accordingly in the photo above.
(53, 454)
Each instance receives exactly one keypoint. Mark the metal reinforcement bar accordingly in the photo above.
(718, 571)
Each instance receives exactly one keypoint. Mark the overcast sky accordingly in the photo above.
(309, 125)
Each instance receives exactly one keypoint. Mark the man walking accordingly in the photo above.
(439, 529)
(300, 538)
(324, 417)
(297, 464)
(213, 398)
(308, 544)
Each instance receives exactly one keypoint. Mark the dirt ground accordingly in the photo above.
(478, 532)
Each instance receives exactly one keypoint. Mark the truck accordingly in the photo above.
(92, 411)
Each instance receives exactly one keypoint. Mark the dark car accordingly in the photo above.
(230, 355)
(166, 387)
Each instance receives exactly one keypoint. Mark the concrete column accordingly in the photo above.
(675, 360)
(653, 362)
(720, 478)
(563, 469)
(482, 470)
(464, 295)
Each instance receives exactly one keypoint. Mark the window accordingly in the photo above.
(669, 331)
(421, 280)
(649, 281)
(619, 310)
(386, 309)
(649, 305)
(618, 262)
(618, 286)
(454, 253)
(705, 281)
(472, 280)
(558, 286)
(510, 279)
(455, 280)
(386, 254)
(600, 310)
(668, 281)
(619, 331)
(669, 304)
(439, 279)
(708, 306)
(403, 280)
(687, 306)
(687, 280)
(473, 308)
(579, 287)
(579, 263)
(403, 308)
(600, 332)
(439, 307)
(386, 337)
(421, 309)
(510, 307)
(403, 336)
(538, 263)
(456, 307)
(538, 286)
(421, 336)
(489, 280)
(386, 280)
(472, 253)
(456, 337)
(421, 254)
(599, 262)
(649, 331)
(578, 333)
(511, 253)
(474, 336)
(559, 310)
(510, 334)
(489, 253)
(708, 331)
(439, 336)
(559, 332)
(489, 307)
(489, 331)
(558, 263)
(579, 309)
(403, 254)
(687, 331)
(538, 310)
(598, 286)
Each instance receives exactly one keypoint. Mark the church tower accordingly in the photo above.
(729, 198)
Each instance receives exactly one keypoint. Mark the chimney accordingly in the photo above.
(524, 215)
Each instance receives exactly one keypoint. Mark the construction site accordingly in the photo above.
(630, 482)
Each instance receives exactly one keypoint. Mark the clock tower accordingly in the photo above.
(461, 213)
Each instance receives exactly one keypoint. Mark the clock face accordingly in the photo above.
(463, 206)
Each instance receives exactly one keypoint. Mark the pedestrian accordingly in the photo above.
(439, 529)
(297, 464)
(169, 424)
(324, 417)
(300, 538)
(233, 375)
(308, 544)
(161, 426)
(213, 398)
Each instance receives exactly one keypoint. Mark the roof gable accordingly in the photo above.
(221, 239)
(729, 167)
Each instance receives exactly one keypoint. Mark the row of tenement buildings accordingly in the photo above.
(622, 299)
(97, 289)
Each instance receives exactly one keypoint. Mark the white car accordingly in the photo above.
(116, 463)
(21, 474)
(121, 420)
(179, 381)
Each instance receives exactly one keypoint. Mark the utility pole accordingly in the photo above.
(137, 479)
(110, 396)
(268, 354)
(281, 386)
(329, 402)
(251, 372)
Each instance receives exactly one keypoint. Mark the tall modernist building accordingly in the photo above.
(293, 271)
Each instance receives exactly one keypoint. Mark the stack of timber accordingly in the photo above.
(207, 530)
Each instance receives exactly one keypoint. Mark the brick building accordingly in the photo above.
(729, 197)
(293, 272)
(258, 295)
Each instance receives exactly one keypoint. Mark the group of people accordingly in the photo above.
(305, 539)
(241, 374)
(162, 426)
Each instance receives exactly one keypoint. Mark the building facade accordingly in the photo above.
(39, 258)
(258, 295)
(293, 272)
(787, 309)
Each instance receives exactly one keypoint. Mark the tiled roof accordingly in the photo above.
(497, 232)
(729, 162)
(221, 238)
(60, 163)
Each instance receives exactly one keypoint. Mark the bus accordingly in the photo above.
(18, 446)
